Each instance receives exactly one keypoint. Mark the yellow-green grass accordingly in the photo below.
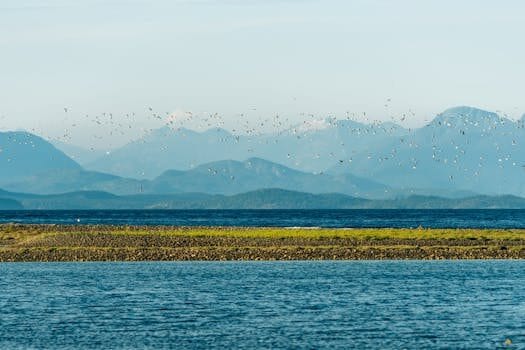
(20, 233)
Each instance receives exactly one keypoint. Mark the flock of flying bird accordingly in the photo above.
(356, 126)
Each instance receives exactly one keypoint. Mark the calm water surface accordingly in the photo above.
(250, 305)
(304, 218)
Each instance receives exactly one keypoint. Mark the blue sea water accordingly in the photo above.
(513, 218)
(263, 305)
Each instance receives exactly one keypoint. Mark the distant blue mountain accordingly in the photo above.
(24, 155)
(10, 204)
(31, 164)
(221, 177)
(79, 154)
(260, 199)
(231, 177)
(61, 181)
(463, 148)
(165, 149)
(300, 147)
(462, 152)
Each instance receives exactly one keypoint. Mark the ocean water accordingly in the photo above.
(280, 218)
(263, 305)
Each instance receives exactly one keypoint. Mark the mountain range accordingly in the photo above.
(260, 199)
(23, 154)
(462, 152)
(461, 149)
(222, 177)
(305, 149)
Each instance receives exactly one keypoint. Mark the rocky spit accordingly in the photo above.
(19, 243)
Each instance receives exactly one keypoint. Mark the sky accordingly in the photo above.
(72, 70)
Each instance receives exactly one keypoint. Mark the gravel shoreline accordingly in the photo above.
(24, 243)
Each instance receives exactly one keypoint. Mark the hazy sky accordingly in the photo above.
(258, 57)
